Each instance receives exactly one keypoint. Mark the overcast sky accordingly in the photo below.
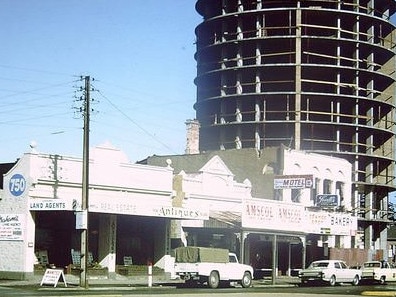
(140, 53)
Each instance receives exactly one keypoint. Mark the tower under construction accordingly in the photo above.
(317, 76)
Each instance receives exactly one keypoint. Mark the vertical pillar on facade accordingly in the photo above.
(107, 242)
(274, 258)
(289, 260)
(304, 251)
(244, 248)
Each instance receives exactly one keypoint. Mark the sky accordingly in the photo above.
(139, 54)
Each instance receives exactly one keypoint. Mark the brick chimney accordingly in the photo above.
(192, 145)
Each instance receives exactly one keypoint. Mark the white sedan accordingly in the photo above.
(331, 272)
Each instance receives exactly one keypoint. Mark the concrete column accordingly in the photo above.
(304, 250)
(107, 242)
(274, 258)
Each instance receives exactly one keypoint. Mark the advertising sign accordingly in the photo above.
(270, 215)
(11, 226)
(17, 185)
(293, 182)
(277, 215)
(327, 200)
(52, 277)
(133, 207)
(38, 204)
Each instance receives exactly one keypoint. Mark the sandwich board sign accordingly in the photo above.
(52, 277)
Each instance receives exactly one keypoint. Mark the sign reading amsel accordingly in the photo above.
(293, 182)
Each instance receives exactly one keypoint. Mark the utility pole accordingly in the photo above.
(85, 186)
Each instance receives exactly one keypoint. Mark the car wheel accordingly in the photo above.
(304, 282)
(332, 280)
(214, 280)
(246, 281)
(382, 280)
(355, 280)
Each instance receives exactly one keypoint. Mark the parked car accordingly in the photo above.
(378, 271)
(331, 272)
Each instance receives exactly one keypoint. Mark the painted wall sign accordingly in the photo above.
(38, 204)
(293, 182)
(11, 226)
(261, 214)
(275, 216)
(17, 185)
(132, 207)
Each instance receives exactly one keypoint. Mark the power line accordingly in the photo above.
(135, 123)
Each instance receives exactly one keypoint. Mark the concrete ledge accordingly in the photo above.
(16, 275)
(379, 293)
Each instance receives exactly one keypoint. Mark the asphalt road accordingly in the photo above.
(171, 290)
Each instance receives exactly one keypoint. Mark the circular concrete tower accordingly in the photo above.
(317, 76)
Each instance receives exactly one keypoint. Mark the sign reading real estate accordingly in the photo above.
(11, 226)
(293, 182)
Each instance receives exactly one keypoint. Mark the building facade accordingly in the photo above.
(130, 210)
(278, 209)
(144, 211)
(316, 76)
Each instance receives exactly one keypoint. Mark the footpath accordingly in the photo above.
(120, 282)
(138, 281)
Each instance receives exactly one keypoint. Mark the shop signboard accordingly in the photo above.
(281, 216)
(133, 207)
(327, 200)
(38, 204)
(274, 215)
(282, 182)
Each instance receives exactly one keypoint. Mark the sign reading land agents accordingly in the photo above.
(293, 182)
(11, 226)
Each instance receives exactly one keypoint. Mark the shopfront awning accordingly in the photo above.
(224, 219)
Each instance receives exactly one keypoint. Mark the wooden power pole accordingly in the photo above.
(85, 187)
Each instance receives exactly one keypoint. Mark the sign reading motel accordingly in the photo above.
(293, 182)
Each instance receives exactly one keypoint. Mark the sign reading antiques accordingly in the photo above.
(293, 182)
(131, 207)
(277, 215)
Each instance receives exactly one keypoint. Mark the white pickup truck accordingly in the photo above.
(198, 265)
(378, 271)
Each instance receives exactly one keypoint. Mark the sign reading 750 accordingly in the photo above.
(17, 185)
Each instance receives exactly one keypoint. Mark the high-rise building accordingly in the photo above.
(317, 76)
